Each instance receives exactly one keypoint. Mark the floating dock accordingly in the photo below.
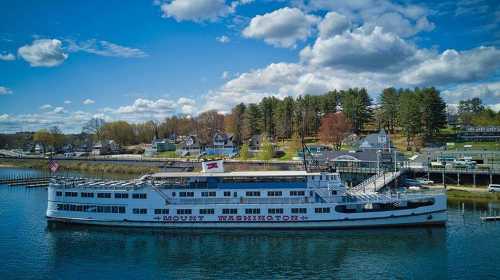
(490, 218)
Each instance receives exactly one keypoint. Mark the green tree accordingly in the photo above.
(266, 150)
(244, 155)
(238, 114)
(268, 107)
(44, 138)
(409, 116)
(389, 106)
(468, 108)
(253, 121)
(356, 105)
(284, 118)
(433, 111)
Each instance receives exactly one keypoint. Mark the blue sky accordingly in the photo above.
(64, 62)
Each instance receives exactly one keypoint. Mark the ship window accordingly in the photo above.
(121, 195)
(58, 193)
(139, 195)
(252, 193)
(207, 211)
(161, 211)
(274, 193)
(205, 194)
(184, 211)
(299, 210)
(186, 194)
(71, 194)
(138, 210)
(275, 211)
(334, 192)
(173, 193)
(229, 211)
(252, 211)
(104, 195)
(297, 193)
(59, 207)
(322, 210)
(227, 193)
(87, 194)
(235, 194)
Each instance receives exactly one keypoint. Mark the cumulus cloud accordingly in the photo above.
(7, 57)
(5, 90)
(360, 50)
(43, 53)
(489, 92)
(88, 101)
(223, 39)
(454, 66)
(332, 24)
(105, 48)
(67, 102)
(405, 20)
(187, 105)
(196, 10)
(282, 27)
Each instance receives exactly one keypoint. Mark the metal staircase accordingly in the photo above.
(375, 183)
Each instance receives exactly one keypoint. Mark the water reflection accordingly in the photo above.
(238, 254)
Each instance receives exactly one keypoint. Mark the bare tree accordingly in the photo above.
(334, 128)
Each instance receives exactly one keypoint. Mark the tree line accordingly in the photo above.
(328, 117)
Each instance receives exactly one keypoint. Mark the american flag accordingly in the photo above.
(53, 165)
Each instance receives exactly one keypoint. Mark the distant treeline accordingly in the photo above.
(414, 112)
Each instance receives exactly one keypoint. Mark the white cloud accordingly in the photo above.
(4, 117)
(360, 50)
(453, 66)
(405, 20)
(43, 53)
(5, 90)
(489, 92)
(7, 57)
(59, 110)
(223, 39)
(187, 105)
(67, 102)
(88, 101)
(46, 107)
(196, 10)
(281, 28)
(105, 48)
(332, 24)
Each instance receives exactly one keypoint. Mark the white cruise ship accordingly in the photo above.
(216, 199)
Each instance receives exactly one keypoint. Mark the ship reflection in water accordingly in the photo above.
(250, 254)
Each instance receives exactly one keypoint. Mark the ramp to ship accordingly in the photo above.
(376, 182)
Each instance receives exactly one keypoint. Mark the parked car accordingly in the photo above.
(494, 188)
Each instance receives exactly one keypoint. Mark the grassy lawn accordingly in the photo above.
(167, 154)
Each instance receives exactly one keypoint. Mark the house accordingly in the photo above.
(189, 146)
(376, 141)
(222, 144)
(106, 147)
(158, 146)
(38, 149)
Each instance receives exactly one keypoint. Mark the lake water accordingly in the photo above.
(30, 249)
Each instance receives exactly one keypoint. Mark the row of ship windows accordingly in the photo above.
(248, 193)
(181, 194)
(103, 195)
(91, 208)
(208, 211)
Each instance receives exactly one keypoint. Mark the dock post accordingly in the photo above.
(474, 178)
(458, 178)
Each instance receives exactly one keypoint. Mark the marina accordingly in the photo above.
(460, 250)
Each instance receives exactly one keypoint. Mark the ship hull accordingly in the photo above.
(435, 218)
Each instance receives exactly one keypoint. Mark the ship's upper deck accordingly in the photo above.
(288, 173)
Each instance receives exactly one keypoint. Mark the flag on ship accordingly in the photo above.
(53, 165)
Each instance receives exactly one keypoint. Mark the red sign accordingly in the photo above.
(211, 165)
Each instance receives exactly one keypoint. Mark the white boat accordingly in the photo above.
(216, 199)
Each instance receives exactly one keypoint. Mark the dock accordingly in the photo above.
(490, 218)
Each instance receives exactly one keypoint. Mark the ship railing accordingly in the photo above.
(390, 197)
(291, 200)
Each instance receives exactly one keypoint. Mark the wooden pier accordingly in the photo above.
(490, 218)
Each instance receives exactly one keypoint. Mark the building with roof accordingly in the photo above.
(376, 141)
(480, 133)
